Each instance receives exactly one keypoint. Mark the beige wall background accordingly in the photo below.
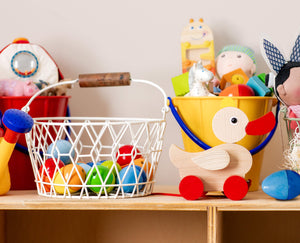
(143, 37)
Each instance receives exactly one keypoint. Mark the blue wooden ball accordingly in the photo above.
(61, 149)
(129, 175)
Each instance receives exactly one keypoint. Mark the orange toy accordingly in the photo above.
(145, 166)
(237, 76)
(69, 175)
(237, 90)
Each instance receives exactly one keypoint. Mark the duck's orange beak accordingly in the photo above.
(262, 125)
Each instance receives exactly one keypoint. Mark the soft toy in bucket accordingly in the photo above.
(223, 140)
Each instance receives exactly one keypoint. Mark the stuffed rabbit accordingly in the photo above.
(287, 79)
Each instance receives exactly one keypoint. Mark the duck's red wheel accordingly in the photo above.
(235, 188)
(191, 188)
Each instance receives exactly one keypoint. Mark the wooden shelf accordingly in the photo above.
(206, 216)
(254, 201)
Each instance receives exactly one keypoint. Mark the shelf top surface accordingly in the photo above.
(254, 201)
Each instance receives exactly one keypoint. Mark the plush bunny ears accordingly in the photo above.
(273, 56)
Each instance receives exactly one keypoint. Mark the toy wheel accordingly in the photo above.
(191, 188)
(235, 187)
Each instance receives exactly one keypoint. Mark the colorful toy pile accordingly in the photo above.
(224, 112)
(226, 75)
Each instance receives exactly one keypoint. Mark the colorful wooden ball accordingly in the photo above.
(69, 175)
(237, 90)
(92, 163)
(126, 154)
(61, 149)
(85, 166)
(146, 166)
(100, 176)
(132, 175)
(48, 170)
(109, 164)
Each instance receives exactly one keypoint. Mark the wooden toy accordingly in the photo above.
(222, 167)
(237, 90)
(98, 176)
(91, 164)
(282, 185)
(16, 122)
(146, 166)
(197, 44)
(235, 77)
(181, 84)
(69, 175)
(110, 164)
(259, 88)
(213, 167)
(61, 149)
(126, 154)
(130, 176)
(198, 79)
(85, 166)
(48, 170)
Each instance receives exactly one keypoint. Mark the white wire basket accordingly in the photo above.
(94, 157)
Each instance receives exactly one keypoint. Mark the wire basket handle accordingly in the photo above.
(102, 80)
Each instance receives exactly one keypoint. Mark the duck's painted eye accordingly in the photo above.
(200, 27)
(192, 27)
(239, 56)
(233, 120)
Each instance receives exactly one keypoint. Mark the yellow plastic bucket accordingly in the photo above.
(198, 112)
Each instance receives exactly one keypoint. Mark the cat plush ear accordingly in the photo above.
(272, 55)
(295, 55)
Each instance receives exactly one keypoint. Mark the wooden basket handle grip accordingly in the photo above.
(104, 79)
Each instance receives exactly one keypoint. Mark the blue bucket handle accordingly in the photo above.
(204, 146)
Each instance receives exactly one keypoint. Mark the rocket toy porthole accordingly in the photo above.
(24, 64)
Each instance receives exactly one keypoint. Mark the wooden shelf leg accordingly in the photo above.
(214, 225)
(2, 226)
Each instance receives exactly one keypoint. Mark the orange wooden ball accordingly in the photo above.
(70, 175)
(237, 90)
(145, 166)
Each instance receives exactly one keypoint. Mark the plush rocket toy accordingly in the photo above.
(27, 62)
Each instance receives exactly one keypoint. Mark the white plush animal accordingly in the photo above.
(198, 79)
